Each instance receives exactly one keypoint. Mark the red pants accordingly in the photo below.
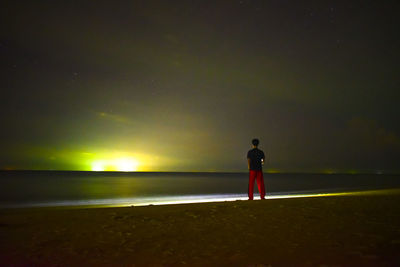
(260, 183)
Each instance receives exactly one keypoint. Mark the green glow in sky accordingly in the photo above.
(185, 85)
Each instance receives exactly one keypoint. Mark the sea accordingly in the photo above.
(20, 189)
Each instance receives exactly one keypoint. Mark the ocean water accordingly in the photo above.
(68, 188)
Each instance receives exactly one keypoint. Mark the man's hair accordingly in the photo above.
(255, 142)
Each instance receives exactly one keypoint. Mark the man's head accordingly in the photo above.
(255, 142)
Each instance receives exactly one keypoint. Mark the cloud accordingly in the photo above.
(369, 133)
(114, 117)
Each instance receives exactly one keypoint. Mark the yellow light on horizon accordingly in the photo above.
(98, 166)
(119, 164)
(126, 165)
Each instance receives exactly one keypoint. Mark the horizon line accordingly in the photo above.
(274, 171)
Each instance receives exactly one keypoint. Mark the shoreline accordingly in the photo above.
(192, 199)
(359, 229)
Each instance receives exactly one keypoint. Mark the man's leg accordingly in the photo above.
(252, 177)
(260, 184)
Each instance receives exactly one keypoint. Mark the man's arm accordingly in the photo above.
(248, 163)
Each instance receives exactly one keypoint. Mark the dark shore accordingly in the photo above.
(359, 230)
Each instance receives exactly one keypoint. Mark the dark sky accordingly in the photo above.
(185, 85)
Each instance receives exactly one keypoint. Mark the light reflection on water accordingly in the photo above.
(170, 200)
(27, 189)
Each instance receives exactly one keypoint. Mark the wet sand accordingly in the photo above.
(360, 230)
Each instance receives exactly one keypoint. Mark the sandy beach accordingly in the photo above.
(361, 230)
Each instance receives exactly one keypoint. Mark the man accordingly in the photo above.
(255, 160)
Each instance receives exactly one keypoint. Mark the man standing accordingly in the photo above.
(255, 160)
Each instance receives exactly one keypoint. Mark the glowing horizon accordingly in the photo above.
(134, 160)
(118, 164)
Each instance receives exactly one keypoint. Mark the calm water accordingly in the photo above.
(59, 188)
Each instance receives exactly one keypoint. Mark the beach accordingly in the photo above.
(353, 230)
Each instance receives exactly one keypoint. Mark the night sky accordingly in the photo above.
(185, 85)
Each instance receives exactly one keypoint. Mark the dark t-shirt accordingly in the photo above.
(255, 155)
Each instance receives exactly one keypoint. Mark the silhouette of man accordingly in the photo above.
(255, 160)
